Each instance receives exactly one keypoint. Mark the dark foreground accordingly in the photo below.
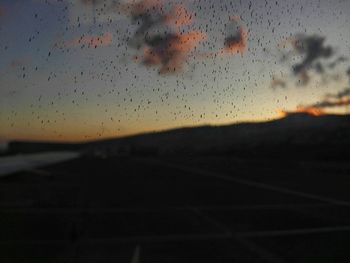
(207, 209)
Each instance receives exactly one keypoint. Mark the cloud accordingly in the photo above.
(315, 57)
(314, 54)
(313, 49)
(336, 62)
(331, 103)
(171, 51)
(149, 14)
(339, 95)
(164, 41)
(90, 41)
(331, 100)
(179, 16)
(235, 41)
(236, 38)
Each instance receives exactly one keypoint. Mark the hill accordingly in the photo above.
(297, 135)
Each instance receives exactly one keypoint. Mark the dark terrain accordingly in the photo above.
(296, 136)
(153, 199)
(193, 209)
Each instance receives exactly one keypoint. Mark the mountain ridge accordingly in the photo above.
(298, 132)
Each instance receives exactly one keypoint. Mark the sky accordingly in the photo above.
(77, 70)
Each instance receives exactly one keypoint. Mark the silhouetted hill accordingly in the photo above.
(297, 135)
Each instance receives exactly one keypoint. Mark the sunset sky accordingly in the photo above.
(73, 70)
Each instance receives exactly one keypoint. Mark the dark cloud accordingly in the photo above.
(236, 43)
(235, 40)
(150, 14)
(236, 37)
(146, 22)
(147, 14)
(336, 62)
(316, 57)
(341, 94)
(313, 50)
(345, 101)
(171, 51)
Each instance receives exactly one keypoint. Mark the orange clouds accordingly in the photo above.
(340, 99)
(179, 16)
(188, 41)
(171, 51)
(235, 44)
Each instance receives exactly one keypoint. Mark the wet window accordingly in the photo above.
(174, 131)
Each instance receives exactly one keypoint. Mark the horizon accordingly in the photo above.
(170, 129)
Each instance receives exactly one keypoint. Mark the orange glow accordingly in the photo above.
(151, 57)
(314, 111)
(172, 54)
(188, 41)
(179, 16)
(231, 47)
(236, 46)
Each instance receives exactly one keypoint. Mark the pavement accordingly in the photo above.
(130, 209)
